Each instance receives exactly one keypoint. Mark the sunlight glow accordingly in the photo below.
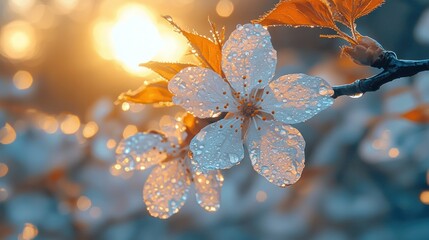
(134, 37)
(20, 6)
(17, 40)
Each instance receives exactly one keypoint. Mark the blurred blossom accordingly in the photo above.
(421, 85)
(31, 207)
(18, 40)
(421, 32)
(3, 194)
(400, 102)
(389, 140)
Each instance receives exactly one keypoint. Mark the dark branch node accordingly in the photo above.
(393, 68)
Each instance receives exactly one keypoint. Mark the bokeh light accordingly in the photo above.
(90, 129)
(129, 131)
(4, 169)
(95, 212)
(29, 232)
(3, 194)
(18, 40)
(7, 134)
(83, 203)
(225, 8)
(261, 196)
(70, 124)
(393, 152)
(22, 80)
(125, 106)
(48, 123)
(111, 143)
(424, 197)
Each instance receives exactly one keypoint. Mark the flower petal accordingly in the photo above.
(201, 92)
(297, 97)
(248, 58)
(276, 151)
(166, 188)
(173, 129)
(208, 188)
(218, 145)
(140, 151)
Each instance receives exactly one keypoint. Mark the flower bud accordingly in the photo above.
(365, 52)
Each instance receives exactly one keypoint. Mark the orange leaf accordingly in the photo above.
(354, 9)
(152, 93)
(300, 13)
(419, 115)
(164, 69)
(208, 51)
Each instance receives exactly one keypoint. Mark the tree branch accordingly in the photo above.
(393, 68)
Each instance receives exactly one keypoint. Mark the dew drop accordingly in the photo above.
(357, 95)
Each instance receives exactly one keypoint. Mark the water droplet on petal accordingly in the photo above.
(357, 95)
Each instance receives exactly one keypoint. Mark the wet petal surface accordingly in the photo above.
(208, 188)
(276, 151)
(140, 151)
(296, 98)
(201, 92)
(166, 188)
(218, 145)
(248, 58)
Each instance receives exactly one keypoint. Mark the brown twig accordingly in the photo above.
(393, 68)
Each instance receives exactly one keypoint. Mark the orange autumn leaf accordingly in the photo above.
(165, 69)
(350, 10)
(304, 13)
(207, 51)
(152, 93)
(419, 114)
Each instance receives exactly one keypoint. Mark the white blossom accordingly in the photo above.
(259, 108)
(167, 186)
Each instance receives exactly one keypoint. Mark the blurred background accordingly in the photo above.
(64, 62)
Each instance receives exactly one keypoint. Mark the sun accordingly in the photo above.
(130, 39)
